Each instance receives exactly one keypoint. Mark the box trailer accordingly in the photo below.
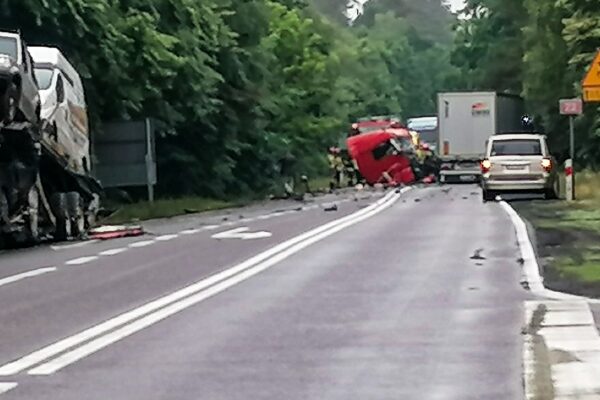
(466, 121)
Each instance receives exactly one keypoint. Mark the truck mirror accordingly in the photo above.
(60, 90)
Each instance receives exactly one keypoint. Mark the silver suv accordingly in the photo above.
(518, 162)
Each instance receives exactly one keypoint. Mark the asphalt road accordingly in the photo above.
(381, 299)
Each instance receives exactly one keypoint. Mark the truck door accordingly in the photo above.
(30, 92)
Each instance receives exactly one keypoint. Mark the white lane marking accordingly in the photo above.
(81, 260)
(242, 233)
(211, 227)
(266, 216)
(52, 350)
(531, 269)
(154, 317)
(142, 243)
(25, 275)
(165, 238)
(190, 231)
(112, 252)
(73, 245)
(6, 386)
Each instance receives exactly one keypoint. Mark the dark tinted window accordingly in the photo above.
(9, 47)
(518, 147)
(383, 150)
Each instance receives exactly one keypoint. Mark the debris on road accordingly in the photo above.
(115, 231)
(330, 207)
(477, 255)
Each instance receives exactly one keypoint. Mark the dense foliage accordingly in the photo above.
(247, 90)
(540, 49)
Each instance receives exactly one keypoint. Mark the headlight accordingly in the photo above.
(4, 61)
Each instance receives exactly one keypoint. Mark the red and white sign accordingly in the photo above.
(571, 107)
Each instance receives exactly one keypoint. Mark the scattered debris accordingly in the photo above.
(479, 264)
(330, 207)
(477, 255)
(521, 261)
(465, 198)
(115, 231)
(224, 219)
(417, 200)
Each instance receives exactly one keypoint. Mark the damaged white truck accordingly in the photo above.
(46, 190)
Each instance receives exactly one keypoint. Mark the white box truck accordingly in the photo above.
(466, 121)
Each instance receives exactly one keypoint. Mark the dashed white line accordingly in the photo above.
(165, 238)
(6, 386)
(73, 245)
(211, 227)
(81, 260)
(174, 302)
(112, 252)
(25, 275)
(142, 243)
(190, 231)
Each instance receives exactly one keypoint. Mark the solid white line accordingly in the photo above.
(165, 238)
(81, 260)
(142, 243)
(38, 356)
(25, 275)
(112, 337)
(531, 269)
(6, 386)
(73, 245)
(112, 252)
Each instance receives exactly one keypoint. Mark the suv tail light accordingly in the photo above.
(547, 164)
(485, 166)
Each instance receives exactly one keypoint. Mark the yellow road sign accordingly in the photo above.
(592, 78)
(591, 94)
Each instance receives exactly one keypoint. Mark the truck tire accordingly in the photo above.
(75, 213)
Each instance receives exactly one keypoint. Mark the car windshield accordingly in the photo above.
(44, 77)
(9, 46)
(517, 147)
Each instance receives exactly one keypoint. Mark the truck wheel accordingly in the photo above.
(75, 214)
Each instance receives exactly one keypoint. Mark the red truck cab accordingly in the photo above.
(383, 156)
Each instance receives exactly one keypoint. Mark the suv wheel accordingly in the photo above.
(488, 195)
(552, 193)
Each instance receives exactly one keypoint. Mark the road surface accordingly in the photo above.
(396, 296)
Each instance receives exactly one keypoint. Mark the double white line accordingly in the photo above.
(71, 349)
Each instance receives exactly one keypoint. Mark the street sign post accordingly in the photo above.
(572, 108)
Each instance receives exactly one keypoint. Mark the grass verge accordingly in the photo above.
(165, 208)
(568, 237)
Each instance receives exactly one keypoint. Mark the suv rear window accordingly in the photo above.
(516, 147)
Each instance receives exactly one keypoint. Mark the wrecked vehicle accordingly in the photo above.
(384, 156)
(376, 123)
(19, 96)
(46, 190)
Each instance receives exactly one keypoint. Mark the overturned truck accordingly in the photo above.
(46, 190)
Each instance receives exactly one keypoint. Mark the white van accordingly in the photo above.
(63, 107)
